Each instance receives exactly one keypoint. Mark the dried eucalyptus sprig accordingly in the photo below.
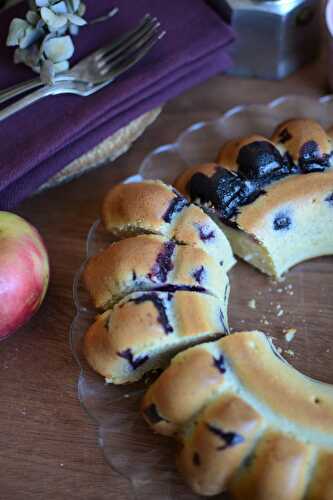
(44, 38)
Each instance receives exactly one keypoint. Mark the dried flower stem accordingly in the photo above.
(44, 38)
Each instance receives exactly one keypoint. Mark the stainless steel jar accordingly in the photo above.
(274, 37)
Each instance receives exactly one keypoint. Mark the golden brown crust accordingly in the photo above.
(208, 169)
(228, 154)
(321, 487)
(300, 190)
(149, 325)
(207, 459)
(154, 207)
(278, 470)
(141, 204)
(296, 189)
(116, 331)
(138, 264)
(330, 133)
(278, 428)
(194, 227)
(96, 345)
(183, 389)
(294, 134)
(287, 208)
(278, 384)
(106, 272)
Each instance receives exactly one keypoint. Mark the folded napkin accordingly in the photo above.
(39, 141)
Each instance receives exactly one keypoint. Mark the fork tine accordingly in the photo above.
(130, 47)
(131, 43)
(145, 21)
(112, 72)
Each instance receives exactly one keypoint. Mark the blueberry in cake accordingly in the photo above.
(150, 262)
(145, 329)
(272, 197)
(156, 208)
(248, 422)
(163, 284)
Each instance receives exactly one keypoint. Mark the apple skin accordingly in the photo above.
(24, 272)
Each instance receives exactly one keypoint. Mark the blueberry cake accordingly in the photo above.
(150, 262)
(145, 329)
(247, 422)
(156, 208)
(273, 198)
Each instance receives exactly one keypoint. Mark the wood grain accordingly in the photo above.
(48, 445)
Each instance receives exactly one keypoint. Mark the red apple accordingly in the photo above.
(24, 272)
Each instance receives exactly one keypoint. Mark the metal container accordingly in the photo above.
(273, 38)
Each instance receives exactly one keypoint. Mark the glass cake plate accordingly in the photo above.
(303, 301)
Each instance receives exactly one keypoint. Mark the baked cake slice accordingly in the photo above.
(149, 262)
(156, 208)
(144, 330)
(248, 422)
(273, 198)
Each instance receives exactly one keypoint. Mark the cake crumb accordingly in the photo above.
(266, 322)
(289, 334)
(289, 289)
(290, 352)
(252, 304)
(279, 350)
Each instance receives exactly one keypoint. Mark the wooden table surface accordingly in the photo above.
(48, 445)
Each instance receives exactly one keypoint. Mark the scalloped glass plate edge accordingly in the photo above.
(95, 396)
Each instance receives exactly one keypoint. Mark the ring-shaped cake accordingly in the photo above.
(273, 198)
(246, 421)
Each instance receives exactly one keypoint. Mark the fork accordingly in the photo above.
(103, 65)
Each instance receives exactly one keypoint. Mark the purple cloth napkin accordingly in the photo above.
(39, 141)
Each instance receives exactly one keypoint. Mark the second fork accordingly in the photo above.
(108, 69)
(93, 68)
